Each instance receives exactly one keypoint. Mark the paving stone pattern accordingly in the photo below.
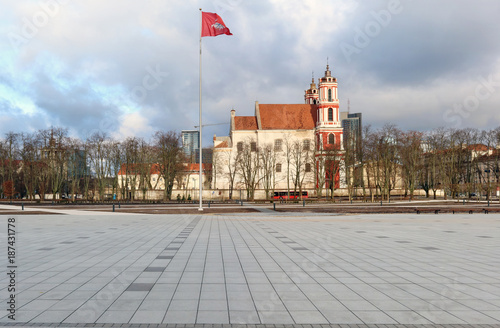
(257, 270)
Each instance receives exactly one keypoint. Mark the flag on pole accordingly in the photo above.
(213, 25)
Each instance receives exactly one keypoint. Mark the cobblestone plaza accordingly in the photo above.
(263, 268)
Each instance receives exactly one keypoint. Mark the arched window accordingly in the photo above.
(239, 146)
(331, 139)
(329, 94)
(330, 114)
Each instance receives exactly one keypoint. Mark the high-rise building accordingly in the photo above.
(190, 143)
(352, 125)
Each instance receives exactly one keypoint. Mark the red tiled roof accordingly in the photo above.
(7, 162)
(223, 144)
(137, 168)
(478, 147)
(196, 167)
(288, 117)
(245, 123)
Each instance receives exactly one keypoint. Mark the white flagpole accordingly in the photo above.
(200, 148)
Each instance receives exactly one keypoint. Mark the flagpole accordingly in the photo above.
(200, 148)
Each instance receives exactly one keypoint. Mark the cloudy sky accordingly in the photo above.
(128, 67)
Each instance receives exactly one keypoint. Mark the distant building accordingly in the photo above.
(135, 179)
(352, 125)
(190, 143)
(206, 156)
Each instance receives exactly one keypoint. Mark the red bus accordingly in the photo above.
(293, 195)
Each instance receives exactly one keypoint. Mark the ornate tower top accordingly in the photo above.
(327, 72)
(311, 95)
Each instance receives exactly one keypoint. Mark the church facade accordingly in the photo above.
(284, 147)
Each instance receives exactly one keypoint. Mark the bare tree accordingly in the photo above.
(169, 155)
(301, 160)
(248, 164)
(267, 171)
(228, 163)
(100, 154)
(410, 151)
(76, 166)
(30, 156)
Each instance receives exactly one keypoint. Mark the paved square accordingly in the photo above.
(254, 269)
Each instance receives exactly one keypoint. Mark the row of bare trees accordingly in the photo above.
(51, 162)
(459, 162)
(452, 162)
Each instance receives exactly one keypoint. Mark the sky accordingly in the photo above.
(130, 68)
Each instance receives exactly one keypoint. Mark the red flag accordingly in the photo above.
(213, 25)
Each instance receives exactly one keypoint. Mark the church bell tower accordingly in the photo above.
(328, 125)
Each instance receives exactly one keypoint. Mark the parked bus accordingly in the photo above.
(293, 195)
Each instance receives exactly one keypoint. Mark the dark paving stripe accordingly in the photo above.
(165, 257)
(430, 248)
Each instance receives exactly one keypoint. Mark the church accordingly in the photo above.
(284, 147)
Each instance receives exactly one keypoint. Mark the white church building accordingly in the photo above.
(284, 147)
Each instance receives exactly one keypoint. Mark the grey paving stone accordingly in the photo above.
(148, 317)
(275, 317)
(260, 273)
(212, 316)
(308, 317)
(115, 317)
(140, 287)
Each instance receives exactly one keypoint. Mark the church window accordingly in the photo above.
(278, 144)
(308, 167)
(307, 144)
(329, 94)
(331, 139)
(330, 114)
(239, 146)
(253, 146)
(278, 167)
